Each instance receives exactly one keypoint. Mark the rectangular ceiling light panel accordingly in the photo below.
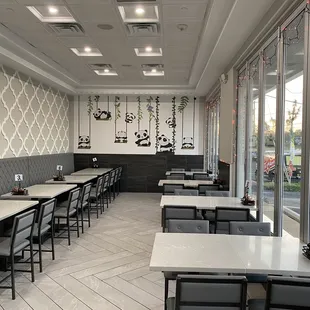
(153, 70)
(52, 14)
(139, 13)
(105, 72)
(80, 51)
(143, 52)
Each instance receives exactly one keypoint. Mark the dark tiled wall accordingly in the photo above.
(141, 173)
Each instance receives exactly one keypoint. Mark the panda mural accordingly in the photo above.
(164, 144)
(170, 122)
(129, 118)
(188, 143)
(142, 138)
(121, 137)
(101, 115)
(84, 142)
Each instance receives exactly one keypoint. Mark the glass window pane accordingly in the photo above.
(294, 63)
(241, 129)
(270, 88)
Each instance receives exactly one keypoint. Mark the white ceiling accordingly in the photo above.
(193, 59)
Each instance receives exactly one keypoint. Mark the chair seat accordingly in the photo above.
(256, 304)
(171, 303)
(63, 204)
(44, 229)
(62, 212)
(5, 244)
(84, 205)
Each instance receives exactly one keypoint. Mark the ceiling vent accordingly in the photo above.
(67, 29)
(100, 66)
(143, 29)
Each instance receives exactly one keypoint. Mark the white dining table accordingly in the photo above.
(186, 183)
(41, 191)
(10, 208)
(188, 173)
(92, 171)
(205, 253)
(203, 202)
(73, 179)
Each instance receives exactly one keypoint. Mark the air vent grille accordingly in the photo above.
(152, 66)
(143, 29)
(67, 29)
(100, 66)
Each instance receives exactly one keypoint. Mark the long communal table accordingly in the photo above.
(92, 171)
(186, 183)
(203, 202)
(187, 173)
(204, 253)
(73, 179)
(41, 191)
(10, 208)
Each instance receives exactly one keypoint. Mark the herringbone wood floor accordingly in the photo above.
(107, 268)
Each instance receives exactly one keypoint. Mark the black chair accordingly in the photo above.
(186, 192)
(177, 213)
(70, 214)
(105, 189)
(284, 293)
(249, 229)
(95, 198)
(209, 292)
(177, 169)
(197, 170)
(84, 203)
(112, 185)
(177, 176)
(168, 189)
(188, 226)
(217, 193)
(225, 215)
(20, 239)
(202, 188)
(202, 176)
(120, 170)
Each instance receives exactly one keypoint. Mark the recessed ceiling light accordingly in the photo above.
(140, 11)
(106, 70)
(154, 70)
(87, 49)
(148, 49)
(53, 10)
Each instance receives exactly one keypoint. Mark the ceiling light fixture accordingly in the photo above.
(148, 49)
(140, 11)
(53, 10)
(154, 70)
(106, 70)
(87, 49)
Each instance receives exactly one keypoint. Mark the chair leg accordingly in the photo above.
(82, 220)
(52, 242)
(31, 261)
(13, 276)
(68, 225)
(88, 211)
(97, 207)
(40, 253)
(166, 292)
(77, 224)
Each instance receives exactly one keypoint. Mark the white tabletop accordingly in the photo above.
(194, 253)
(228, 254)
(186, 183)
(188, 173)
(9, 208)
(92, 171)
(41, 191)
(203, 202)
(72, 179)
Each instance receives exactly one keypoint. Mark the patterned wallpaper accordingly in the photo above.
(34, 118)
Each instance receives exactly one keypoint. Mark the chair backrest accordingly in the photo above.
(120, 170)
(22, 228)
(73, 200)
(177, 169)
(211, 292)
(225, 215)
(288, 293)
(169, 188)
(186, 192)
(202, 176)
(188, 226)
(85, 193)
(218, 193)
(46, 214)
(178, 213)
(106, 181)
(178, 176)
(116, 175)
(99, 185)
(249, 228)
(197, 170)
(112, 177)
(202, 188)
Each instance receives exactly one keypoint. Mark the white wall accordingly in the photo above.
(228, 118)
(102, 132)
(33, 117)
